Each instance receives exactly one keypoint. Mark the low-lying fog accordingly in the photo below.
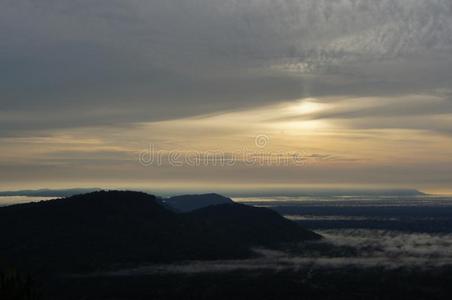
(340, 248)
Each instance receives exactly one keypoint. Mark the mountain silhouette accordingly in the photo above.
(186, 203)
(112, 228)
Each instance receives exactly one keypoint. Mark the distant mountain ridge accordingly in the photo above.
(107, 228)
(49, 192)
(186, 203)
(331, 192)
(245, 193)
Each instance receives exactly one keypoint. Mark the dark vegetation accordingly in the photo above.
(50, 241)
(15, 286)
(111, 229)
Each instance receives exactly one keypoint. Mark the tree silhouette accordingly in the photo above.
(14, 286)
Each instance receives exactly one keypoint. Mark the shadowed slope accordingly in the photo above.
(254, 226)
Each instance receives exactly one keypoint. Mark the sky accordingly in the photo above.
(226, 93)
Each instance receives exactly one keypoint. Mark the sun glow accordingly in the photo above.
(307, 106)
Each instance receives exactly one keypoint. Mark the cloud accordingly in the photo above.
(411, 112)
(83, 63)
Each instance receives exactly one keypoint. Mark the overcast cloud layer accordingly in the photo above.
(78, 63)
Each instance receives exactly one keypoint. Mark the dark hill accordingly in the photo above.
(86, 231)
(186, 203)
(254, 226)
(91, 205)
(104, 229)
